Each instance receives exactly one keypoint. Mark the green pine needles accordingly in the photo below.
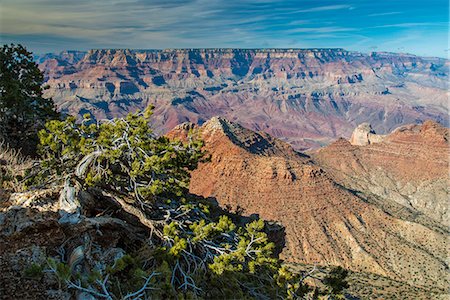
(121, 154)
(23, 109)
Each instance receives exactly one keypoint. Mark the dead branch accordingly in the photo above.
(135, 212)
(138, 293)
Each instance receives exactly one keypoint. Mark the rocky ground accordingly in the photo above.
(32, 229)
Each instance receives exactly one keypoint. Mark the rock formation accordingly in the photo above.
(409, 167)
(325, 222)
(31, 231)
(379, 209)
(364, 135)
(308, 97)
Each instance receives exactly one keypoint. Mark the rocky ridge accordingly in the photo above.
(331, 215)
(307, 97)
(410, 167)
(325, 222)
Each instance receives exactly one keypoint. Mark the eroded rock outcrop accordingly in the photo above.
(364, 135)
(409, 167)
(325, 222)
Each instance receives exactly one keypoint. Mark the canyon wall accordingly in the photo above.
(305, 97)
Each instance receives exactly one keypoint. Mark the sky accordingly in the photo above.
(419, 27)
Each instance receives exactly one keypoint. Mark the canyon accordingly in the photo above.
(344, 153)
(306, 97)
(367, 208)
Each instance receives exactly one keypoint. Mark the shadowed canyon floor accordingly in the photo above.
(328, 220)
(307, 97)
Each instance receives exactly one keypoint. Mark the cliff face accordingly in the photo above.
(325, 222)
(409, 166)
(306, 97)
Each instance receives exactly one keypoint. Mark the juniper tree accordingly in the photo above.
(23, 109)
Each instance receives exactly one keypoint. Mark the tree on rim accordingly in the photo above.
(23, 109)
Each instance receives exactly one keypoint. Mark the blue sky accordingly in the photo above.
(418, 27)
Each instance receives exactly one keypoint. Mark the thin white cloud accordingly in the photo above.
(321, 30)
(324, 8)
(411, 25)
(385, 14)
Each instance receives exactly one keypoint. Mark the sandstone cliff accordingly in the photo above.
(307, 97)
(364, 135)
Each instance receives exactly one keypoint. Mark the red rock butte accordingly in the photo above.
(327, 219)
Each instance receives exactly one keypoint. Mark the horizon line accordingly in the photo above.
(244, 48)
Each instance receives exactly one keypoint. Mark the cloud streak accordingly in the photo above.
(383, 14)
(324, 8)
(53, 25)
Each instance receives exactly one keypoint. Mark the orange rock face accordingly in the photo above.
(410, 166)
(325, 222)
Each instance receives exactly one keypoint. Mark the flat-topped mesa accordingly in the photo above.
(106, 56)
(364, 135)
(254, 49)
(125, 57)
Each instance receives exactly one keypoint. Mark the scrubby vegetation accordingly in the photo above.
(13, 166)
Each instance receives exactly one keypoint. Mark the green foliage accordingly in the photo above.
(61, 270)
(336, 281)
(252, 252)
(121, 264)
(23, 109)
(34, 271)
(121, 153)
(201, 230)
(194, 255)
(220, 260)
